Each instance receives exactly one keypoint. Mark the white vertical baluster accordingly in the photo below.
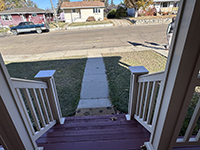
(43, 106)
(32, 109)
(38, 107)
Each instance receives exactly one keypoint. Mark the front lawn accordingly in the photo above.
(68, 78)
(4, 30)
(89, 23)
(118, 74)
(60, 24)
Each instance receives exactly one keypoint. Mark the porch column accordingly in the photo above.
(179, 80)
(14, 131)
(47, 76)
(136, 71)
(72, 16)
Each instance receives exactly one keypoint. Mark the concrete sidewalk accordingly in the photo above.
(60, 54)
(94, 91)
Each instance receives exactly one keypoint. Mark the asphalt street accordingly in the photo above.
(82, 39)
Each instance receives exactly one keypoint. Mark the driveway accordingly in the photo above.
(120, 22)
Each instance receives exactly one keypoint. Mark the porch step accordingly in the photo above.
(94, 111)
(108, 132)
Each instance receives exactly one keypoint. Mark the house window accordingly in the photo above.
(73, 10)
(34, 15)
(96, 10)
(176, 4)
(164, 4)
(6, 17)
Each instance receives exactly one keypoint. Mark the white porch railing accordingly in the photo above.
(35, 103)
(147, 88)
(146, 98)
(189, 138)
(144, 93)
(28, 109)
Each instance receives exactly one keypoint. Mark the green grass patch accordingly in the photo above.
(118, 74)
(4, 30)
(68, 78)
(90, 23)
(60, 24)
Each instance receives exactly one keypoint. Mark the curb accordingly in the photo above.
(90, 26)
(55, 29)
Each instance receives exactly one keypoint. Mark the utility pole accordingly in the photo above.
(55, 13)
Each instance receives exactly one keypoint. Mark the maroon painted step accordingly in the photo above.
(95, 133)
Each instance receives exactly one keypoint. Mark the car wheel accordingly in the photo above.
(14, 32)
(38, 30)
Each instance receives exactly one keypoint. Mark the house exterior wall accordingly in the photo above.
(39, 19)
(16, 19)
(169, 7)
(67, 15)
(85, 13)
(82, 14)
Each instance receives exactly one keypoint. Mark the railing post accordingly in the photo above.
(136, 71)
(180, 78)
(14, 129)
(47, 76)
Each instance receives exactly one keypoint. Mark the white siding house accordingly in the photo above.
(80, 11)
(166, 5)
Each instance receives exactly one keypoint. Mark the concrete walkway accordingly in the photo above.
(94, 91)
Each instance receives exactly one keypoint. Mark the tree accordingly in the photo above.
(112, 3)
(130, 3)
(94, 0)
(2, 5)
(20, 3)
(137, 4)
(144, 4)
(106, 3)
(31, 4)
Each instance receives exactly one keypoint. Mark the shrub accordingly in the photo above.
(91, 18)
(111, 13)
(151, 11)
(121, 12)
(11, 25)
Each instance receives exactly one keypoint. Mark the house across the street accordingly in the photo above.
(17, 15)
(81, 11)
(161, 6)
(166, 5)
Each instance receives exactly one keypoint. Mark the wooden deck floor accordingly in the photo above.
(95, 133)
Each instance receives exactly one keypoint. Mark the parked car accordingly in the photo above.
(29, 27)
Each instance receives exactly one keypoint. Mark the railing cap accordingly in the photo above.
(138, 70)
(45, 74)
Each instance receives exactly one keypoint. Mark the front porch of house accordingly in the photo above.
(31, 117)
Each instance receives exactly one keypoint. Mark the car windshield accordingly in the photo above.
(21, 24)
(31, 23)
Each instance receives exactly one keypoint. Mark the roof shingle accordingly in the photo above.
(82, 4)
(23, 10)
